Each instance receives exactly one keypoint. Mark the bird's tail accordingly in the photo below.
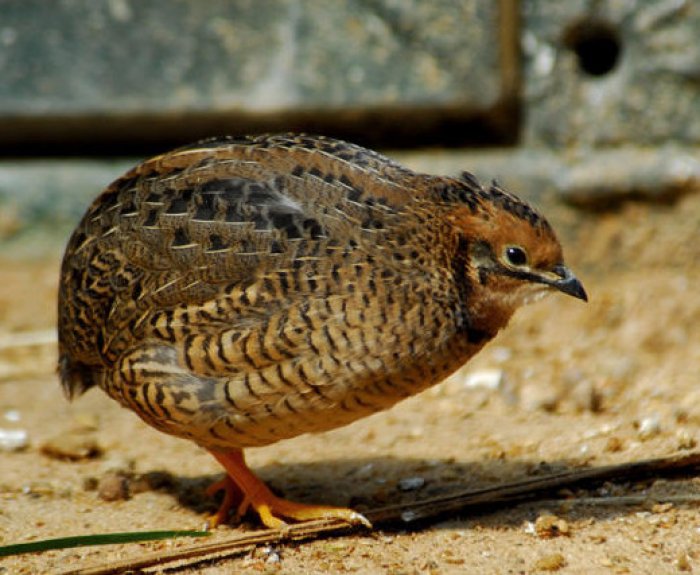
(76, 378)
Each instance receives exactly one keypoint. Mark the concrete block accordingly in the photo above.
(158, 62)
(608, 73)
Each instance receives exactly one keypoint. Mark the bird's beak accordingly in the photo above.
(568, 283)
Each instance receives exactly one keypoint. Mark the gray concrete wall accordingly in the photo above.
(590, 101)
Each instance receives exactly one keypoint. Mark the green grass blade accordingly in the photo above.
(98, 539)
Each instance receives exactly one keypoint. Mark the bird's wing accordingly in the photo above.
(184, 226)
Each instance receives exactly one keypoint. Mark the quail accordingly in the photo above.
(244, 290)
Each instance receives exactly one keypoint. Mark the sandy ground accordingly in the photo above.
(577, 385)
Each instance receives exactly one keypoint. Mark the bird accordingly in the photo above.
(244, 290)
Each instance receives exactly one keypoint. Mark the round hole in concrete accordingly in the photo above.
(597, 46)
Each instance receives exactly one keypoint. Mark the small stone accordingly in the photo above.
(485, 378)
(551, 562)
(538, 397)
(13, 439)
(613, 444)
(90, 483)
(408, 516)
(113, 487)
(551, 526)
(72, 447)
(12, 415)
(271, 554)
(411, 483)
(661, 507)
(649, 427)
(685, 440)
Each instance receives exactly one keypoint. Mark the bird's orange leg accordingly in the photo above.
(241, 481)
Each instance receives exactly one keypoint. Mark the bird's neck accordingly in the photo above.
(484, 315)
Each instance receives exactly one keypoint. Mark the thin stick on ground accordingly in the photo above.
(405, 514)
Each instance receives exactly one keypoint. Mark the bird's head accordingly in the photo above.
(506, 255)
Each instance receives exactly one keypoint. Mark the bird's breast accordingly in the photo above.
(320, 362)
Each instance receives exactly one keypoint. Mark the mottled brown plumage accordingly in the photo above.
(241, 291)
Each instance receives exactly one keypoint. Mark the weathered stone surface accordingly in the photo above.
(585, 178)
(608, 73)
(77, 57)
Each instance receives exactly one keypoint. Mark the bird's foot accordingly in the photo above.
(244, 490)
(271, 509)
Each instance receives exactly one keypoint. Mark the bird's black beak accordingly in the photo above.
(568, 283)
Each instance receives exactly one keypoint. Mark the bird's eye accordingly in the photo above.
(515, 256)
